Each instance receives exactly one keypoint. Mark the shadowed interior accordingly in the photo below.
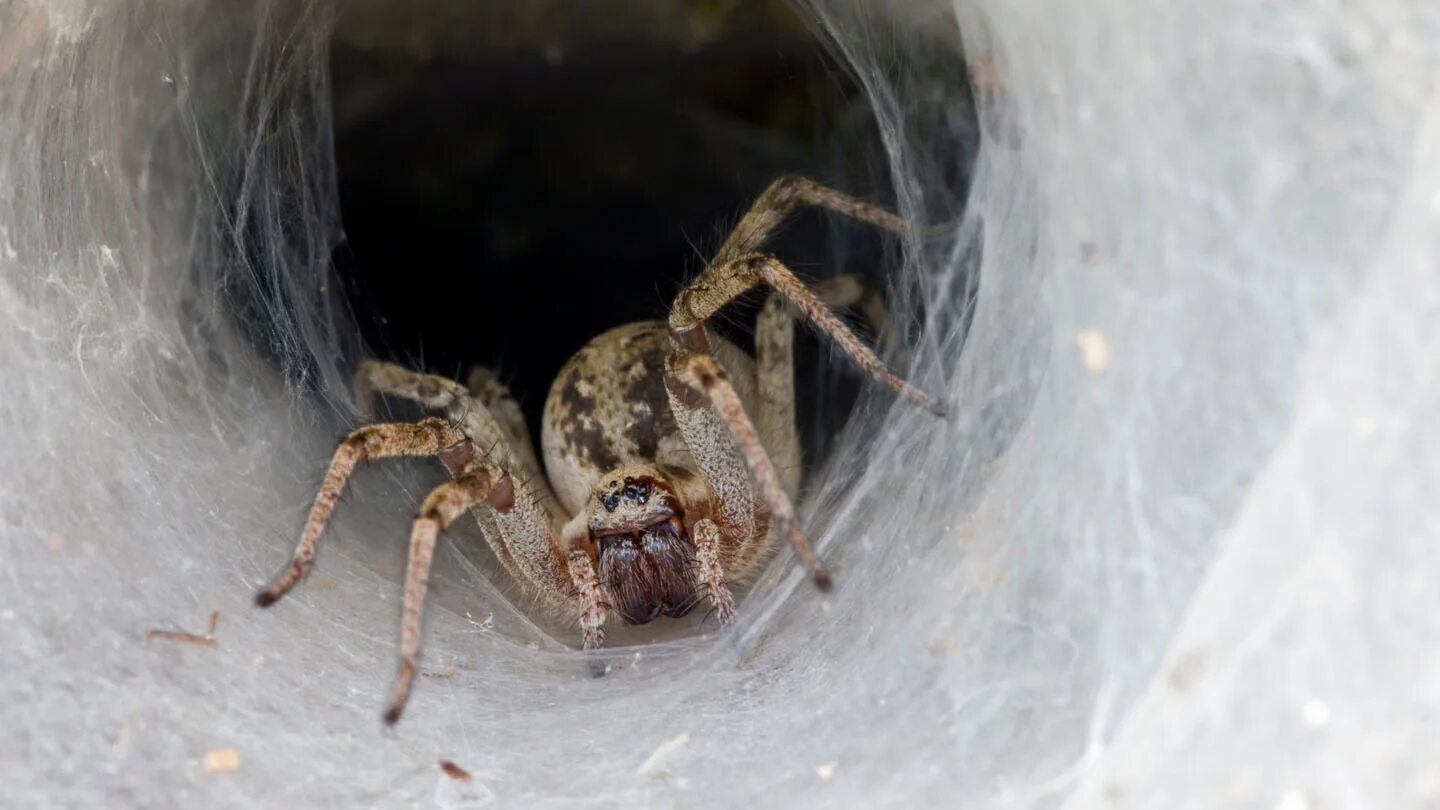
(506, 202)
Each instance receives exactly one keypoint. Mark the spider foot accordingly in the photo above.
(724, 605)
(404, 680)
(592, 638)
(282, 584)
(711, 574)
(822, 580)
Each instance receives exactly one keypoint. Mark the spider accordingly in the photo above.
(672, 452)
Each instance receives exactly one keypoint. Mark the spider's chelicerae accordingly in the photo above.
(672, 452)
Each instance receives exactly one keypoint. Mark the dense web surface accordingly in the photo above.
(1175, 549)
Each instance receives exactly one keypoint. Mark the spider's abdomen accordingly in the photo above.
(608, 407)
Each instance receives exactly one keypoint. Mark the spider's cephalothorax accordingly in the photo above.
(670, 454)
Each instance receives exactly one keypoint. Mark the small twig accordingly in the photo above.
(207, 640)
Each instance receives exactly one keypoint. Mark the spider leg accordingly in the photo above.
(442, 506)
(700, 372)
(707, 554)
(486, 412)
(774, 406)
(428, 437)
(489, 391)
(719, 285)
(775, 389)
(775, 364)
(519, 531)
(781, 199)
(587, 584)
(736, 269)
(376, 377)
(489, 415)
(570, 577)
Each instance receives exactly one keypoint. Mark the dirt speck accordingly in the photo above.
(221, 760)
(1094, 350)
(454, 771)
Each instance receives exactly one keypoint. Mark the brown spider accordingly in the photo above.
(668, 486)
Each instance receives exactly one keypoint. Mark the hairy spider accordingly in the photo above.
(671, 451)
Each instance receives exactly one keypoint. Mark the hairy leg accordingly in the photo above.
(775, 376)
(691, 366)
(691, 370)
(712, 577)
(523, 535)
(592, 597)
(775, 390)
(487, 414)
(699, 372)
(520, 532)
(429, 437)
(781, 199)
(719, 285)
(775, 365)
(484, 486)
(489, 391)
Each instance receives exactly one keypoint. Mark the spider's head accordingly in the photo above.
(637, 519)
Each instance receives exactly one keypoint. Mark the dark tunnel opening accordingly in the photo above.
(510, 191)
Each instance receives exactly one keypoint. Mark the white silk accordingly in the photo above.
(1174, 548)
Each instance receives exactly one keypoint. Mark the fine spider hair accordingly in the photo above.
(671, 456)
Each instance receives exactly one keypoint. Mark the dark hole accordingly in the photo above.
(506, 200)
